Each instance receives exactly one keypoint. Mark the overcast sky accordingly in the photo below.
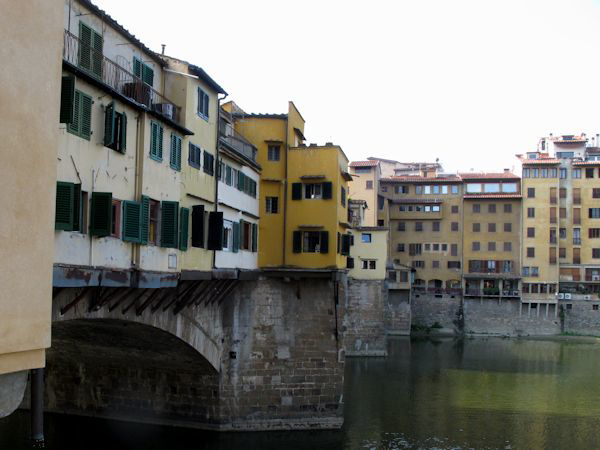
(471, 82)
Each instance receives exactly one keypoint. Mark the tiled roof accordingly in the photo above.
(490, 195)
(487, 175)
(261, 116)
(586, 163)
(363, 163)
(423, 201)
(420, 179)
(541, 161)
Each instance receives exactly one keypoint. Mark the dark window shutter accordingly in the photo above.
(144, 220)
(297, 242)
(215, 231)
(236, 237)
(324, 241)
(147, 75)
(339, 238)
(74, 125)
(85, 46)
(101, 214)
(345, 244)
(242, 232)
(160, 141)
(351, 239)
(296, 191)
(240, 180)
(63, 219)
(67, 99)
(97, 44)
(350, 263)
(184, 223)
(123, 132)
(168, 224)
(86, 116)
(132, 212)
(173, 152)
(327, 188)
(77, 207)
(109, 125)
(178, 152)
(254, 237)
(198, 226)
(137, 67)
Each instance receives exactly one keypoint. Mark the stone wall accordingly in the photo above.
(397, 313)
(581, 317)
(442, 313)
(364, 321)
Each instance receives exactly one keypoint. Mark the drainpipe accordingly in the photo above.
(217, 159)
(285, 189)
(137, 191)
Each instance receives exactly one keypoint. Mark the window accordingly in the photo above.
(562, 213)
(70, 208)
(509, 187)
(194, 156)
(313, 190)
(491, 187)
(563, 173)
(531, 252)
(369, 184)
(596, 193)
(435, 264)
(507, 208)
(369, 264)
(81, 124)
(475, 266)
(562, 193)
(209, 163)
(400, 248)
(476, 227)
(476, 208)
(530, 232)
(416, 249)
(594, 213)
(453, 264)
(444, 189)
(535, 172)
(418, 226)
(383, 188)
(530, 192)
(426, 189)
(115, 229)
(491, 227)
(273, 152)
(576, 256)
(404, 276)
(454, 189)
(203, 101)
(246, 235)
(576, 173)
(401, 226)
(418, 189)
(175, 154)
(562, 252)
(525, 173)
(156, 141)
(594, 233)
(272, 205)
(525, 271)
(435, 226)
(508, 247)
(365, 237)
(491, 246)
(507, 266)
(544, 172)
(90, 50)
(475, 246)
(596, 253)
(453, 249)
(508, 227)
(418, 264)
(454, 226)
(473, 187)
(492, 208)
(454, 209)
(143, 71)
(115, 129)
(154, 222)
(343, 197)
(530, 212)
(427, 247)
(311, 241)
(435, 247)
(227, 236)
(589, 172)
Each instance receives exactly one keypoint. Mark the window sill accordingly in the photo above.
(155, 158)
(202, 116)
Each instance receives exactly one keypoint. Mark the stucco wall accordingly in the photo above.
(374, 250)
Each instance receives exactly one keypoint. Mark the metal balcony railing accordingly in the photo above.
(95, 64)
(238, 142)
(576, 241)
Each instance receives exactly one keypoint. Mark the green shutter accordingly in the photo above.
(168, 224)
(160, 141)
(137, 67)
(153, 139)
(101, 214)
(109, 124)
(85, 46)
(178, 153)
(67, 99)
(228, 175)
(172, 147)
(254, 237)
(184, 218)
(297, 242)
(86, 116)
(97, 44)
(123, 132)
(175, 152)
(242, 232)
(144, 220)
(77, 207)
(236, 237)
(240, 181)
(132, 212)
(63, 218)
(73, 126)
(147, 75)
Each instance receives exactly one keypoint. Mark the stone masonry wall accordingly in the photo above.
(283, 361)
(430, 311)
(397, 313)
(364, 321)
(581, 317)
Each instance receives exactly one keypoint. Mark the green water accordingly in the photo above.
(443, 394)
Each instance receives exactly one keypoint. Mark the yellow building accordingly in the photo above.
(32, 37)
(368, 246)
(303, 192)
(491, 235)
(364, 184)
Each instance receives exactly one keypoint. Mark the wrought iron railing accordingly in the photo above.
(95, 64)
(238, 142)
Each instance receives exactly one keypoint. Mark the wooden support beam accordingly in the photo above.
(167, 293)
(98, 300)
(188, 298)
(204, 292)
(120, 299)
(227, 291)
(216, 288)
(218, 291)
(134, 301)
(181, 292)
(76, 300)
(56, 291)
(151, 297)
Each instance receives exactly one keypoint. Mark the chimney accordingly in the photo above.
(506, 170)
(163, 48)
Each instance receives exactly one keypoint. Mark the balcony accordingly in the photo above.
(234, 140)
(576, 241)
(93, 63)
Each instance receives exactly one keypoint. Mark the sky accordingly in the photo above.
(471, 82)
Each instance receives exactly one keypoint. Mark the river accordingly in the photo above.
(484, 393)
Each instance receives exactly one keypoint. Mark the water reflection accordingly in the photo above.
(445, 393)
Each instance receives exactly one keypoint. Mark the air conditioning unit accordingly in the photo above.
(166, 109)
(595, 277)
(560, 296)
(516, 293)
(567, 296)
(506, 293)
(587, 297)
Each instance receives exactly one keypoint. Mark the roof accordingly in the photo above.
(488, 175)
(371, 163)
(420, 201)
(121, 29)
(492, 195)
(541, 161)
(200, 73)
(586, 163)
(420, 179)
(261, 116)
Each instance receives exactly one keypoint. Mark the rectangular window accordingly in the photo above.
(531, 252)
(175, 153)
(563, 213)
(562, 193)
(454, 189)
(475, 246)
(401, 226)
(473, 188)
(535, 173)
(343, 197)
(509, 187)
(453, 249)
(426, 189)
(562, 233)
(435, 264)
(273, 152)
(530, 232)
(314, 241)
(594, 233)
(435, 226)
(154, 222)
(553, 199)
(203, 103)
(418, 189)
(416, 249)
(365, 237)
(576, 255)
(227, 241)
(444, 189)
(115, 229)
(491, 227)
(90, 50)
(115, 129)
(530, 212)
(577, 196)
(476, 208)
(563, 173)
(454, 226)
(596, 193)
(562, 252)
(82, 116)
(544, 173)
(589, 172)
(476, 227)
(454, 209)
(596, 253)
(313, 190)
(576, 216)
(594, 213)
(194, 156)
(209, 163)
(418, 226)
(418, 264)
(453, 264)
(272, 205)
(576, 173)
(143, 71)
(491, 246)
(508, 227)
(507, 208)
(491, 188)
(400, 248)
(156, 141)
(492, 208)
(508, 246)
(530, 192)
(369, 184)
(525, 173)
